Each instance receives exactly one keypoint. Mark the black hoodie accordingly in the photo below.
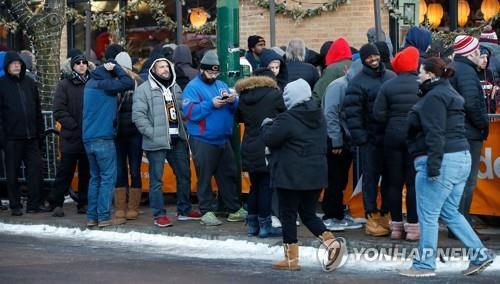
(297, 141)
(20, 110)
(269, 55)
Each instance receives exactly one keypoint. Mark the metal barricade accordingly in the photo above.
(49, 151)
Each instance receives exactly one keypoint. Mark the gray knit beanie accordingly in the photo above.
(210, 61)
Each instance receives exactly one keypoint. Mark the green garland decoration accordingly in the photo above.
(297, 13)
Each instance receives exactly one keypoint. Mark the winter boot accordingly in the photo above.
(134, 199)
(412, 231)
(397, 230)
(335, 248)
(291, 261)
(385, 220)
(266, 229)
(252, 225)
(120, 202)
(373, 228)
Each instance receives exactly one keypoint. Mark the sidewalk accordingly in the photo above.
(356, 239)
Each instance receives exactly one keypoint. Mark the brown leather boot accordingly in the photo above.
(335, 249)
(120, 202)
(412, 232)
(373, 227)
(291, 261)
(397, 231)
(385, 220)
(134, 199)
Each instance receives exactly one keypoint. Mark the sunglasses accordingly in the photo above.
(81, 62)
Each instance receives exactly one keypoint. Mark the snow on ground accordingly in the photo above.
(215, 249)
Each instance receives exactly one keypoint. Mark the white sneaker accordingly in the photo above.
(360, 220)
(276, 223)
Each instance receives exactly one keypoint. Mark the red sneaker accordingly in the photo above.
(162, 221)
(192, 215)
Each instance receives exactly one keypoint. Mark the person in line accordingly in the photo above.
(256, 44)
(439, 147)
(270, 60)
(297, 68)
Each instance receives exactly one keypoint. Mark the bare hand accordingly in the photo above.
(218, 103)
(109, 66)
(336, 151)
(231, 98)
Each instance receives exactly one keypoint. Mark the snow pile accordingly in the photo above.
(215, 249)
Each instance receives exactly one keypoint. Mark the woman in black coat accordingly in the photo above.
(297, 143)
(260, 97)
(394, 100)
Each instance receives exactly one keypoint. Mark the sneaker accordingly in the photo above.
(105, 223)
(411, 272)
(349, 217)
(191, 215)
(91, 223)
(209, 219)
(238, 216)
(475, 269)
(162, 221)
(58, 212)
(350, 224)
(335, 225)
(275, 222)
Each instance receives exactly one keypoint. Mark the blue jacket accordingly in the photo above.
(205, 122)
(2, 58)
(100, 102)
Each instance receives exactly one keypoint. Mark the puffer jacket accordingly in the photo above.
(148, 112)
(466, 83)
(358, 105)
(260, 97)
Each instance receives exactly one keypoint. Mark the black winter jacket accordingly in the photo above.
(358, 105)
(466, 83)
(68, 108)
(126, 127)
(394, 100)
(260, 97)
(436, 124)
(20, 110)
(302, 70)
(297, 141)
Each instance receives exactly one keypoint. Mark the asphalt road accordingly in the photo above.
(40, 260)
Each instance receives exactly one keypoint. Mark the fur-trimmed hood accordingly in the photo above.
(253, 82)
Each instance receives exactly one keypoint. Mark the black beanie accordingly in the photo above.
(253, 40)
(74, 52)
(112, 51)
(366, 50)
(77, 58)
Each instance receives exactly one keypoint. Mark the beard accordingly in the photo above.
(208, 81)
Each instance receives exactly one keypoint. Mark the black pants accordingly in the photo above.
(260, 196)
(372, 164)
(27, 151)
(338, 176)
(64, 176)
(399, 170)
(213, 160)
(303, 202)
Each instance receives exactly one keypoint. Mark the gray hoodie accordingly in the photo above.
(183, 59)
(333, 102)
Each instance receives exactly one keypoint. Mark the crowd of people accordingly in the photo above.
(413, 119)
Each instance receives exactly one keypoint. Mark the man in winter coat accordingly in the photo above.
(255, 46)
(21, 127)
(297, 68)
(156, 113)
(99, 129)
(419, 38)
(466, 82)
(183, 61)
(67, 108)
(208, 108)
(368, 134)
(338, 59)
(339, 152)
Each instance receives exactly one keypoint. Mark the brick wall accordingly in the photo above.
(351, 21)
(63, 51)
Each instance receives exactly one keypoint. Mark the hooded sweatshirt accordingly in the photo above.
(100, 102)
(419, 38)
(339, 59)
(269, 55)
(183, 64)
(20, 111)
(296, 139)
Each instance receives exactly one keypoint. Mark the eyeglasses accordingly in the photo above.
(81, 62)
(212, 73)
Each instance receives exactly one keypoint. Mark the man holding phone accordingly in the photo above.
(208, 107)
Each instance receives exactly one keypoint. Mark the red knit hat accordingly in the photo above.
(465, 45)
(406, 60)
(488, 35)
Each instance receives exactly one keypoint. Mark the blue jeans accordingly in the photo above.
(178, 158)
(102, 163)
(440, 199)
(129, 158)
